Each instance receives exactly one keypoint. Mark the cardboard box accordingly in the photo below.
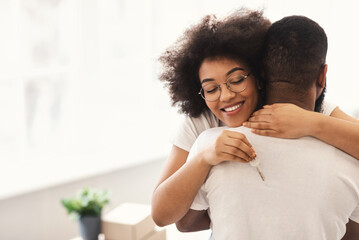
(157, 234)
(129, 221)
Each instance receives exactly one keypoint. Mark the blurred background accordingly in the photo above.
(81, 103)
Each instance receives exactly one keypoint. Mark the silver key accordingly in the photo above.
(260, 173)
(255, 163)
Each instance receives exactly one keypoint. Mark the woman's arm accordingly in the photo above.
(179, 183)
(181, 179)
(289, 121)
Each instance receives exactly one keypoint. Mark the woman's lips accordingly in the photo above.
(232, 108)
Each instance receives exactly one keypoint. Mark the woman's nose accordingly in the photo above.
(226, 94)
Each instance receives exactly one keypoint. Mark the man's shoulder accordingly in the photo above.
(241, 129)
(213, 131)
(208, 136)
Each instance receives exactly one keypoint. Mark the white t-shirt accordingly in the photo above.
(310, 191)
(191, 128)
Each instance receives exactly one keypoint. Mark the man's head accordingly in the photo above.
(294, 61)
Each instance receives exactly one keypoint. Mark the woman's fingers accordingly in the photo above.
(239, 149)
(234, 154)
(230, 146)
(240, 143)
(239, 136)
(261, 118)
(259, 125)
(280, 120)
(263, 111)
(270, 133)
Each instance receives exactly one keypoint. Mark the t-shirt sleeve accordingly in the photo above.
(200, 202)
(185, 135)
(328, 108)
(190, 128)
(355, 214)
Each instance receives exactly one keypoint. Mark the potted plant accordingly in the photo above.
(86, 206)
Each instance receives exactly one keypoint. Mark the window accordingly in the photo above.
(79, 92)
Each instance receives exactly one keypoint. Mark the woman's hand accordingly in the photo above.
(281, 120)
(229, 146)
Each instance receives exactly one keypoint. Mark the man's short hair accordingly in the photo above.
(294, 51)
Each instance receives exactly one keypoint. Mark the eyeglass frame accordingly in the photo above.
(228, 87)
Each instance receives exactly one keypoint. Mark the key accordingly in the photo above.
(260, 173)
(255, 163)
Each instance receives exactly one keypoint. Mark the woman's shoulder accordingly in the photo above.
(192, 127)
(199, 124)
(206, 120)
(328, 107)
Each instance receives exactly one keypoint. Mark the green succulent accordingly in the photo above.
(87, 202)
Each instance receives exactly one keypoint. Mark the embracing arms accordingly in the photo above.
(289, 121)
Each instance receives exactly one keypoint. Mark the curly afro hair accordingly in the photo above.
(240, 36)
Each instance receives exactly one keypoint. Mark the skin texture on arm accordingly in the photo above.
(290, 121)
(181, 179)
(352, 232)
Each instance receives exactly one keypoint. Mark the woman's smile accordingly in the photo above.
(232, 109)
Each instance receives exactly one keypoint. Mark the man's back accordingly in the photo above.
(310, 191)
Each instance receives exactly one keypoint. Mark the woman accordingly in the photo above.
(217, 59)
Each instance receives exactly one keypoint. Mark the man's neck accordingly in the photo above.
(304, 100)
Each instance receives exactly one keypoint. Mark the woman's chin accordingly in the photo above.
(234, 125)
(233, 122)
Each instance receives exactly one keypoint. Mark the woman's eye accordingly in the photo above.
(211, 89)
(237, 80)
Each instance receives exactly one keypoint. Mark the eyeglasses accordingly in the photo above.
(235, 83)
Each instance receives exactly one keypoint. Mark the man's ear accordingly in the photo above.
(260, 81)
(321, 79)
(260, 84)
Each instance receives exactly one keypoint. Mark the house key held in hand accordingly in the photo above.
(255, 163)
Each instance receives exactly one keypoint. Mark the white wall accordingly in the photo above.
(79, 78)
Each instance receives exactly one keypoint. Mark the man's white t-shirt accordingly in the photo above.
(310, 191)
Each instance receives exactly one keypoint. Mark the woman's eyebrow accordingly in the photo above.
(207, 80)
(228, 73)
(234, 69)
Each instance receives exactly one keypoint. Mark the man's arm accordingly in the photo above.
(352, 232)
(194, 220)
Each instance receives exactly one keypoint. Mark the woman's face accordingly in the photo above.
(231, 108)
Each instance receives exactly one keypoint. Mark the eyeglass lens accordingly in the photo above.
(236, 83)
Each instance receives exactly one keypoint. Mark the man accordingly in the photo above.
(311, 189)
